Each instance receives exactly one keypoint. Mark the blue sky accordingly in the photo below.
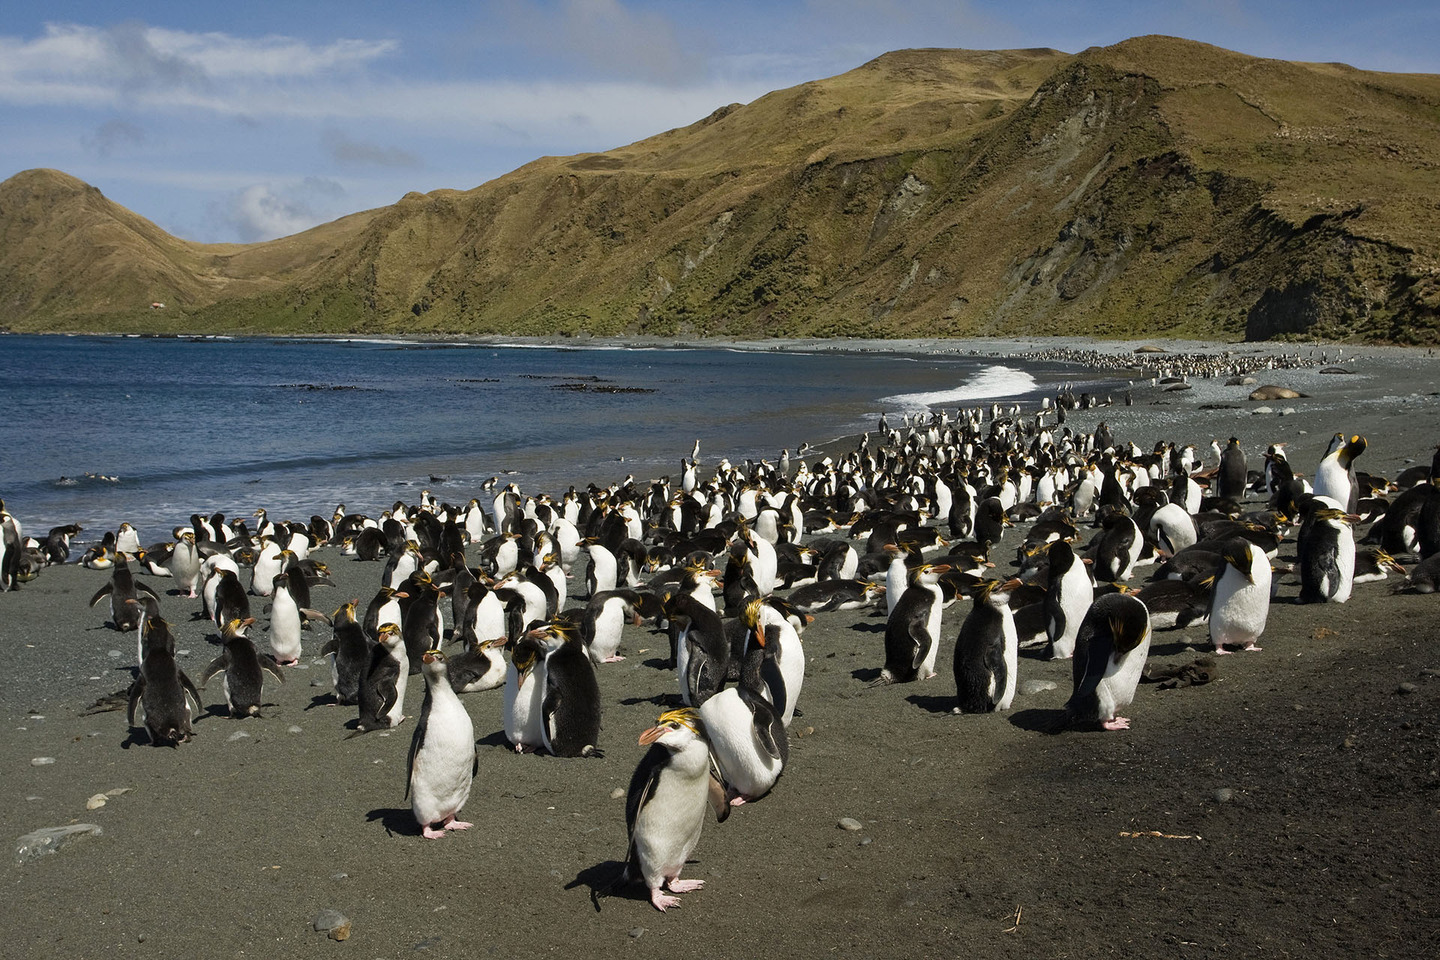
(250, 120)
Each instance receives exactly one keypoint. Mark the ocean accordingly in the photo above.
(99, 430)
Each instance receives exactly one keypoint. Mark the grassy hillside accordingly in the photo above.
(1158, 185)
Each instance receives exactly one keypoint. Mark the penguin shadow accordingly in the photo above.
(660, 663)
(660, 700)
(869, 627)
(1178, 647)
(1036, 720)
(607, 880)
(395, 820)
(322, 700)
(932, 703)
(495, 739)
(866, 674)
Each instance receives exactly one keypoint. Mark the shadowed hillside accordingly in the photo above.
(1156, 186)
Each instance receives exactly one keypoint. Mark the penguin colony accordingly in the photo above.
(731, 565)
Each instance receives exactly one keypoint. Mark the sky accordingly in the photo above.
(246, 121)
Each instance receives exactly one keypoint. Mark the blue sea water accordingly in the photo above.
(96, 430)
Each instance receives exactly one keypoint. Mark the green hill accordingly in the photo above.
(1158, 186)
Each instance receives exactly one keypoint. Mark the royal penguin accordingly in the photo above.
(1116, 548)
(570, 706)
(747, 734)
(1068, 595)
(125, 593)
(1232, 474)
(1240, 596)
(286, 620)
(12, 549)
(524, 694)
(348, 651)
(442, 761)
(1335, 476)
(244, 670)
(785, 673)
(912, 631)
(702, 651)
(603, 621)
(480, 666)
(382, 695)
(1110, 651)
(1325, 551)
(987, 651)
(670, 792)
(846, 594)
(185, 564)
(163, 691)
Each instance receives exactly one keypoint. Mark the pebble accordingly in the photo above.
(849, 823)
(1224, 795)
(1258, 410)
(316, 682)
(617, 793)
(1406, 687)
(237, 735)
(636, 933)
(1430, 672)
(294, 729)
(1031, 687)
(113, 654)
(42, 761)
(333, 924)
(117, 792)
(96, 802)
(1287, 411)
(865, 841)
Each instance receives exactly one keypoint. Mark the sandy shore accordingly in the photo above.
(1296, 798)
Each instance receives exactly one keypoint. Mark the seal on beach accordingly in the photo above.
(912, 632)
(244, 670)
(1067, 596)
(442, 760)
(987, 651)
(1110, 652)
(665, 806)
(1240, 600)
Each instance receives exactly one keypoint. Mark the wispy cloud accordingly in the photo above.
(264, 211)
(353, 153)
(112, 136)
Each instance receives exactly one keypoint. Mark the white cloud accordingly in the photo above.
(266, 211)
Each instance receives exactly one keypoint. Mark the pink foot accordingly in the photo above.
(661, 901)
(685, 886)
(615, 659)
(735, 801)
(525, 748)
(929, 676)
(1250, 648)
(453, 824)
(1220, 650)
(431, 833)
(1119, 723)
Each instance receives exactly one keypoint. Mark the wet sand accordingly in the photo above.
(1296, 797)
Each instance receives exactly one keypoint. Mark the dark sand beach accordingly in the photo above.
(1290, 807)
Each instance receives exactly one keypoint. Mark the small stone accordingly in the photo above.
(42, 761)
(182, 653)
(1430, 672)
(617, 793)
(300, 666)
(340, 876)
(865, 841)
(333, 924)
(823, 877)
(1224, 795)
(96, 802)
(636, 933)
(294, 729)
(317, 682)
(849, 823)
(1287, 411)
(1259, 410)
(1406, 687)
(113, 654)
(237, 735)
(117, 792)
(1031, 687)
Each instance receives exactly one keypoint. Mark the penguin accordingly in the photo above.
(524, 694)
(384, 607)
(442, 762)
(987, 651)
(1110, 651)
(603, 622)
(125, 594)
(1067, 596)
(990, 522)
(421, 623)
(1240, 601)
(1175, 603)
(702, 652)
(227, 598)
(785, 673)
(185, 564)
(912, 632)
(1116, 548)
(665, 806)
(1325, 549)
(481, 666)
(163, 691)
(12, 547)
(244, 670)
(1232, 475)
(604, 568)
(1335, 476)
(747, 734)
(382, 694)
(286, 621)
(1172, 528)
(570, 707)
(348, 650)
(844, 594)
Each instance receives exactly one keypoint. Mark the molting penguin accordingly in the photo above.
(987, 651)
(912, 632)
(1325, 549)
(665, 807)
(1240, 601)
(442, 761)
(747, 734)
(163, 691)
(244, 670)
(1110, 652)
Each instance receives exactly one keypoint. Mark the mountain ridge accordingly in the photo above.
(1154, 187)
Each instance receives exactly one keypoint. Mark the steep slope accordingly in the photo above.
(1158, 185)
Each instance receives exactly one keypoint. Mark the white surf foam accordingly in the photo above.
(989, 384)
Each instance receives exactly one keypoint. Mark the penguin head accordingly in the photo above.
(674, 729)
(389, 635)
(1239, 554)
(1352, 449)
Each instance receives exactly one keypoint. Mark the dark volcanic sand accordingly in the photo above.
(985, 836)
